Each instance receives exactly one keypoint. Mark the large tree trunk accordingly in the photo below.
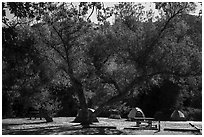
(110, 102)
(91, 116)
(44, 114)
(85, 119)
(122, 94)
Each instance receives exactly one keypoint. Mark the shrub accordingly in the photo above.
(105, 113)
(193, 114)
(46, 101)
(162, 115)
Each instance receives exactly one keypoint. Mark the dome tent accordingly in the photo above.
(135, 112)
(79, 117)
(177, 116)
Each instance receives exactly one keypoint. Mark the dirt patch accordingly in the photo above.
(64, 126)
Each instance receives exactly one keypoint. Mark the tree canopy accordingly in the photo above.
(58, 43)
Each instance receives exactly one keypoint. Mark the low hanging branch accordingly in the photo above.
(137, 81)
(121, 95)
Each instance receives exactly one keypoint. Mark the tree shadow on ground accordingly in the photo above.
(7, 125)
(62, 130)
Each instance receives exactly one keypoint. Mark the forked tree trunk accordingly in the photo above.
(85, 120)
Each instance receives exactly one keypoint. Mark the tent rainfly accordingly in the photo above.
(135, 112)
(79, 117)
(177, 116)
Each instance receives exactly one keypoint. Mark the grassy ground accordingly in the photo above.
(64, 126)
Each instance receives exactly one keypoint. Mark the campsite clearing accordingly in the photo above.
(64, 126)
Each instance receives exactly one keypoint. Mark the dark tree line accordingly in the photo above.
(55, 58)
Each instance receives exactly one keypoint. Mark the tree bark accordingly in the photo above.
(114, 99)
(121, 95)
(44, 114)
(86, 121)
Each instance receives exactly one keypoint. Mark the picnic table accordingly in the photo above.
(149, 121)
(35, 114)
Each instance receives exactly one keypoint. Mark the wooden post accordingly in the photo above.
(137, 123)
(159, 126)
(198, 129)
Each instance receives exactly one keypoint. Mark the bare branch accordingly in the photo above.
(72, 5)
(60, 36)
(66, 52)
(91, 13)
(53, 47)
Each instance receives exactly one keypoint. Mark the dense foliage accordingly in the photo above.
(56, 59)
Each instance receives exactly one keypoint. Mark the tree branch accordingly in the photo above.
(60, 36)
(53, 47)
(136, 81)
(72, 5)
(91, 13)
(142, 58)
(120, 96)
(66, 52)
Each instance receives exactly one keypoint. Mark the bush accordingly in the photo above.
(193, 114)
(105, 113)
(159, 115)
(46, 101)
(162, 115)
